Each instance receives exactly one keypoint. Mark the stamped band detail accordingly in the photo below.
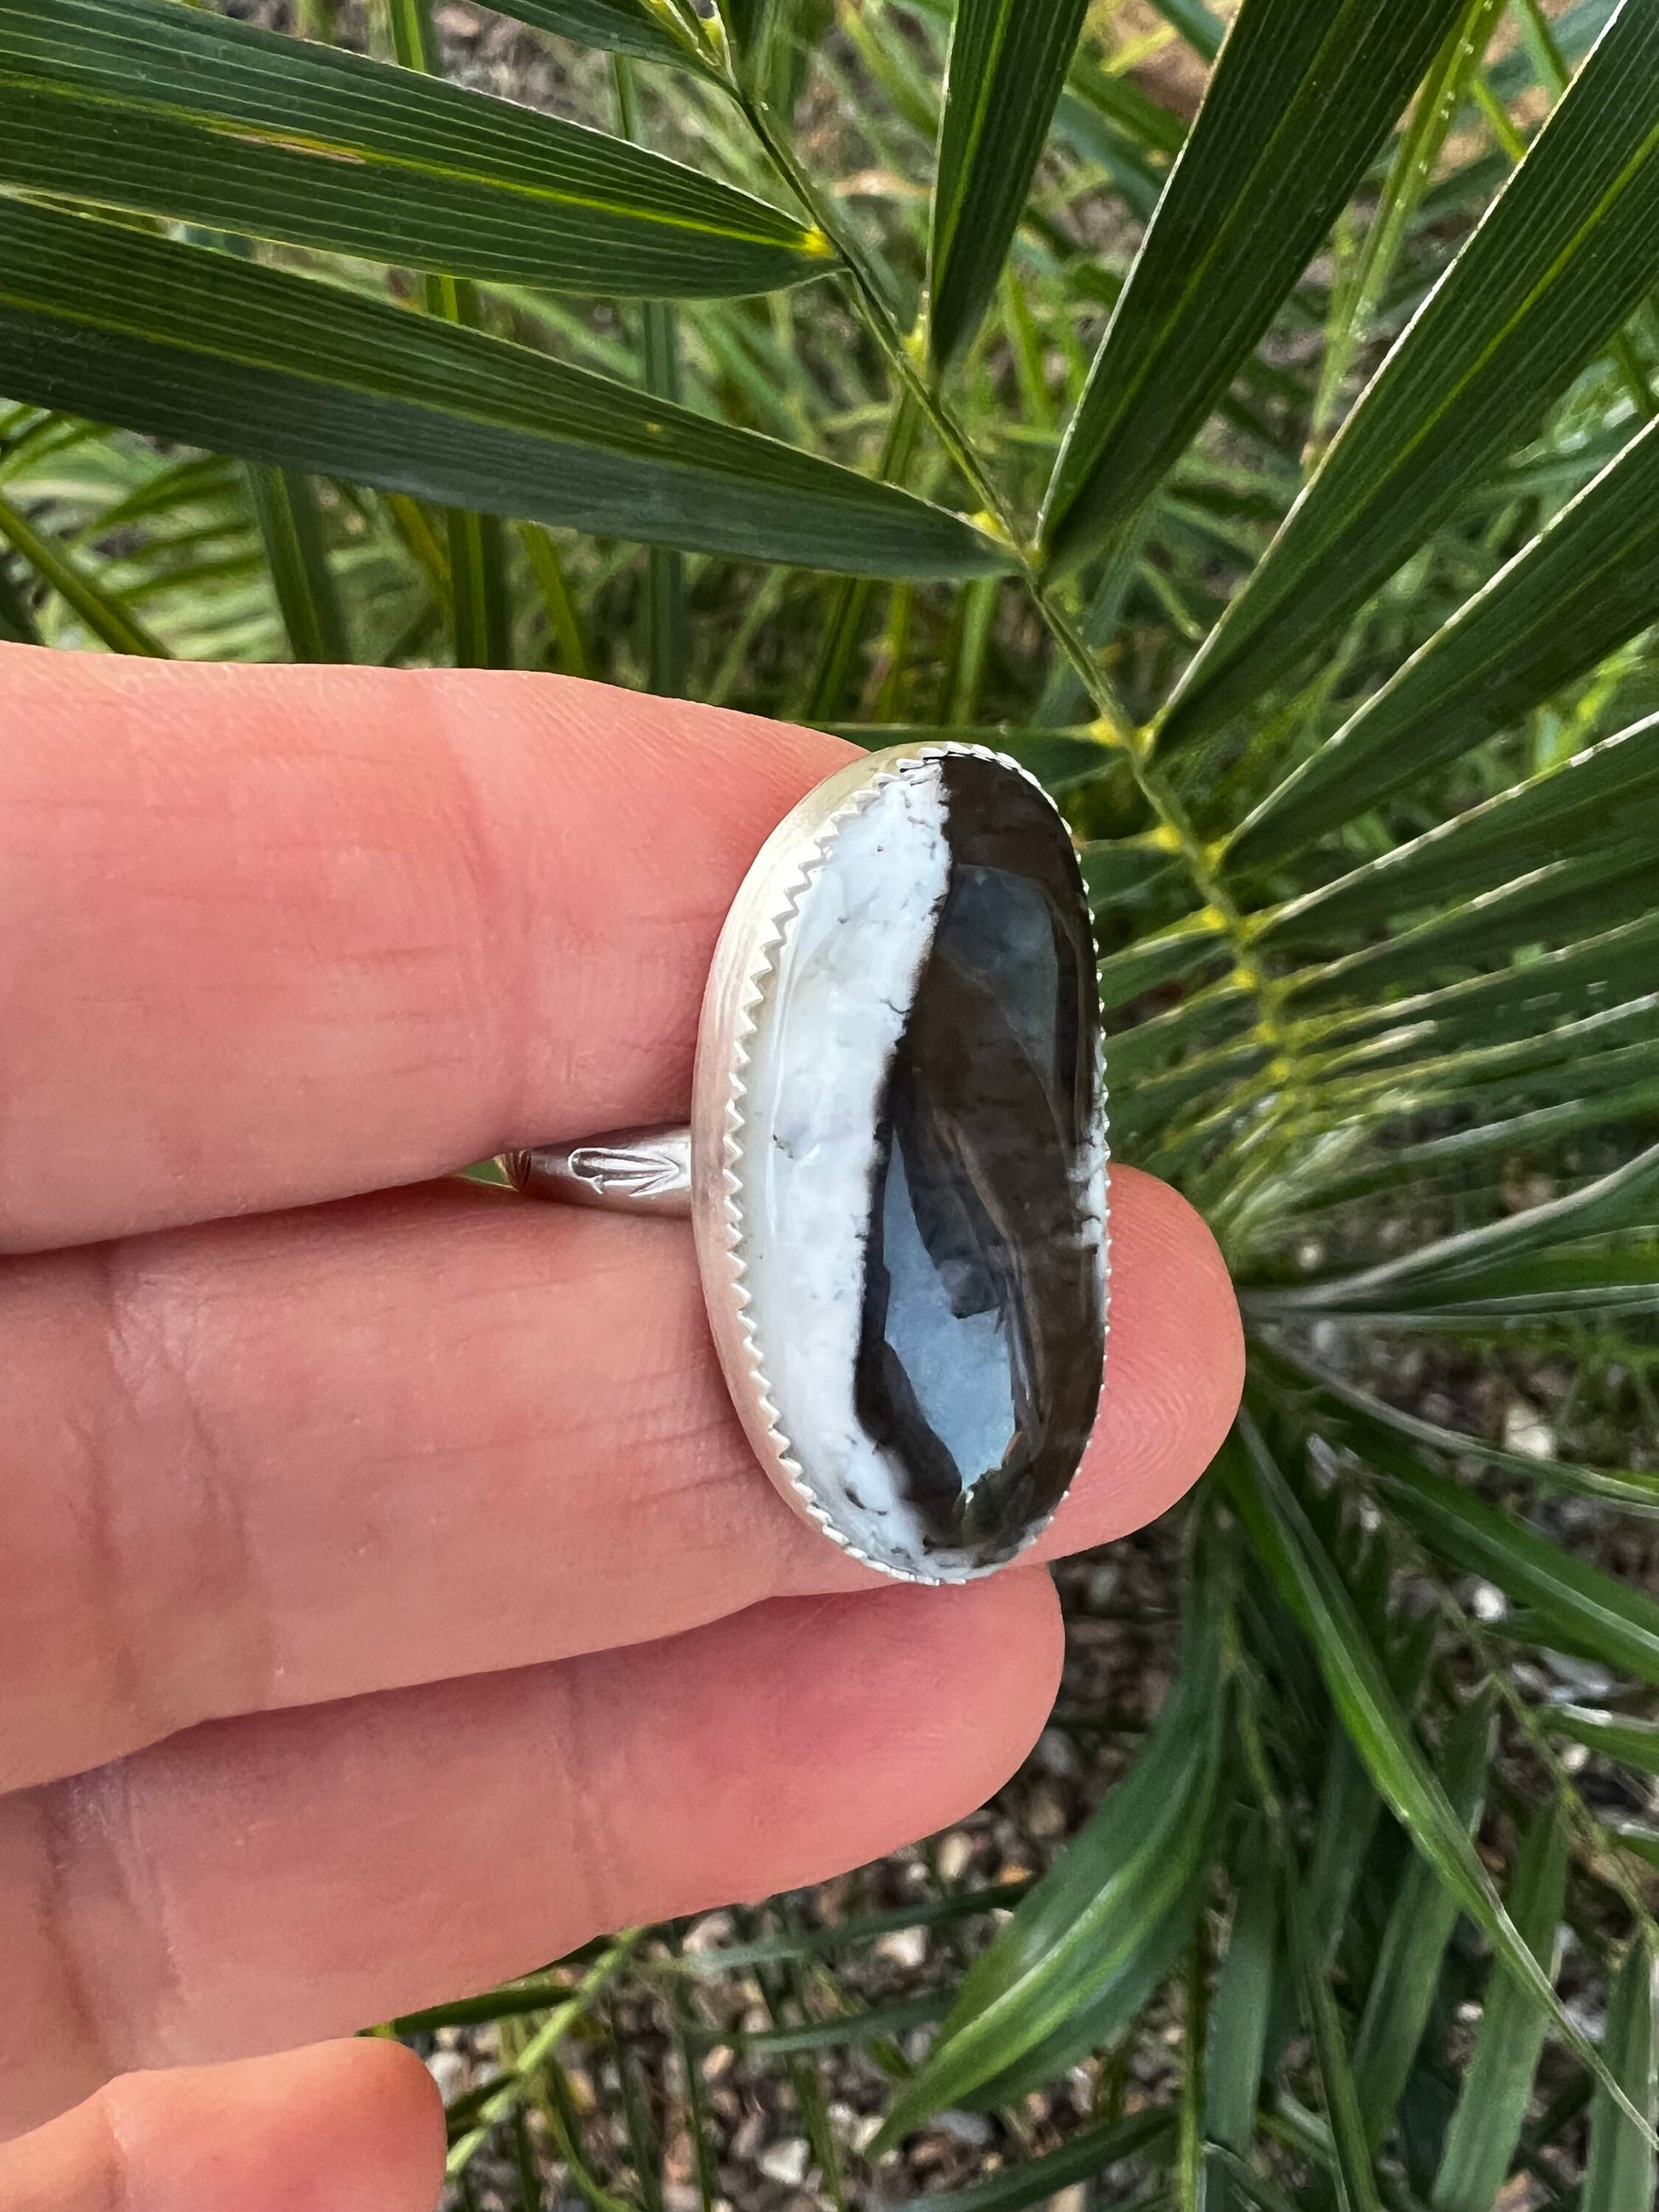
(646, 1171)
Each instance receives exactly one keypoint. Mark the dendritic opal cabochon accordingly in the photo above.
(901, 1209)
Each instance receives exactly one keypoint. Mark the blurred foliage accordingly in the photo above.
(1257, 438)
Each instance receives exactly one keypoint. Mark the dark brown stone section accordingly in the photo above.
(983, 1323)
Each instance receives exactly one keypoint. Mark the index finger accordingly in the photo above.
(269, 935)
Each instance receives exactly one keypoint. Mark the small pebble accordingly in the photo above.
(1056, 1754)
(1487, 1602)
(1590, 1683)
(450, 2070)
(708, 1933)
(785, 2161)
(1527, 1431)
(903, 1946)
(1101, 1585)
(1046, 1817)
(972, 2130)
(956, 1855)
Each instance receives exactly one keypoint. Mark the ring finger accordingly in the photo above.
(266, 1882)
(436, 1433)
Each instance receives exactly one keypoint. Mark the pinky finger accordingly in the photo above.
(340, 2127)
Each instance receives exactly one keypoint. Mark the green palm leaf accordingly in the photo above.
(1593, 1609)
(1420, 1926)
(1358, 294)
(1308, 1584)
(1353, 2170)
(1614, 969)
(291, 524)
(103, 615)
(17, 625)
(1169, 956)
(147, 104)
(1098, 2019)
(1241, 2015)
(1301, 99)
(1008, 62)
(1492, 2103)
(1034, 2180)
(1355, 1416)
(1585, 585)
(647, 28)
(1619, 2173)
(1560, 898)
(1611, 1735)
(1460, 1266)
(1567, 250)
(1198, 23)
(1597, 798)
(185, 343)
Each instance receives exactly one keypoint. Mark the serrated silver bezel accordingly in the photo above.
(735, 1002)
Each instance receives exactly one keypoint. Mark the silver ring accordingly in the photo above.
(897, 1168)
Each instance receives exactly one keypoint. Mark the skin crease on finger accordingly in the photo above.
(442, 1432)
(260, 1883)
(343, 2127)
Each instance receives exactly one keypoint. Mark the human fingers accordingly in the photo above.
(281, 1461)
(262, 1883)
(273, 935)
(345, 2127)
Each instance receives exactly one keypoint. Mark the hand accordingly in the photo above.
(388, 1598)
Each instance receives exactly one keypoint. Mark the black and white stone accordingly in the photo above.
(918, 1156)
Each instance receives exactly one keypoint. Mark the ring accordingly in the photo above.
(896, 1166)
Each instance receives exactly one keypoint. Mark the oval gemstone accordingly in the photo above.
(919, 1152)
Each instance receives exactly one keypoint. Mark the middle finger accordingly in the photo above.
(275, 1461)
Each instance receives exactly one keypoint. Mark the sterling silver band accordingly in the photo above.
(626, 1171)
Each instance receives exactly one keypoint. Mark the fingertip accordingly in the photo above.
(969, 1674)
(349, 2126)
(863, 1721)
(392, 2129)
(991, 1654)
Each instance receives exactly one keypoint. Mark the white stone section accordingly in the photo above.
(835, 1008)
(1092, 1181)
